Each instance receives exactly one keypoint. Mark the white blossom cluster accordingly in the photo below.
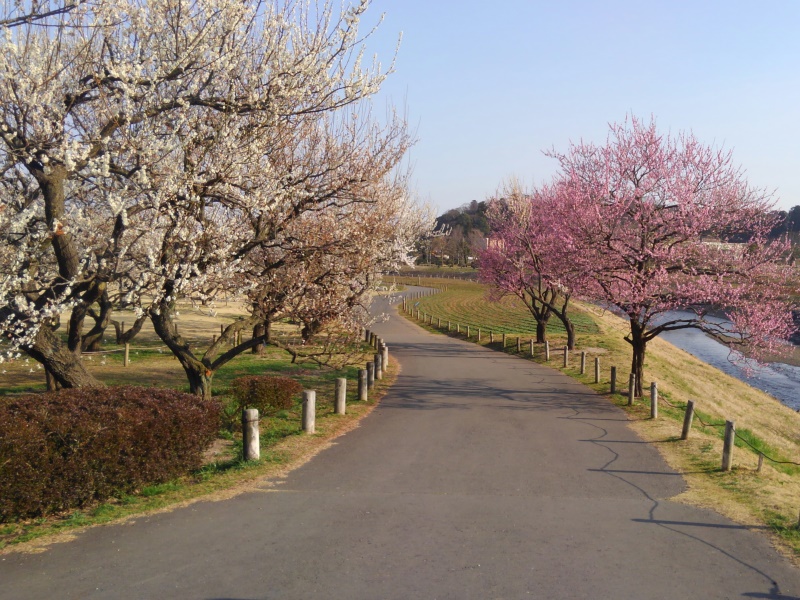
(168, 149)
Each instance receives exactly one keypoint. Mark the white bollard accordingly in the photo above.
(251, 448)
(309, 411)
(341, 396)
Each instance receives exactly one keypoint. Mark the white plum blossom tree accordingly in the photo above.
(151, 147)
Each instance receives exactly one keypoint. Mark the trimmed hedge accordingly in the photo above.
(62, 450)
(265, 392)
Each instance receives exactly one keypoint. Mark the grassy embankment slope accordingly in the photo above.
(283, 447)
(768, 498)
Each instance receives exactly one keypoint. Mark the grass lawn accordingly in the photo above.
(770, 497)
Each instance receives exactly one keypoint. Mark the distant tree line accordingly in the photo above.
(458, 236)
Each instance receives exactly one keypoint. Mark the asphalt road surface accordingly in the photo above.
(479, 476)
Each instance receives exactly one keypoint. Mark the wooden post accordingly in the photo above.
(448, 326)
(362, 385)
(251, 449)
(370, 374)
(309, 411)
(760, 461)
(547, 351)
(126, 357)
(597, 369)
(654, 400)
(479, 334)
(378, 367)
(467, 331)
(367, 335)
(341, 396)
(583, 363)
(531, 348)
(687, 420)
(491, 337)
(504, 341)
(439, 322)
(613, 380)
(519, 345)
(727, 445)
(566, 356)
(631, 388)
(221, 329)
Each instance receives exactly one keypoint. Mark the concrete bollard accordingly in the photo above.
(341, 396)
(491, 337)
(566, 356)
(385, 356)
(654, 400)
(458, 327)
(309, 411)
(362, 385)
(583, 363)
(479, 334)
(439, 322)
(448, 326)
(631, 388)
(251, 449)
(378, 366)
(613, 380)
(727, 445)
(547, 351)
(519, 345)
(467, 331)
(126, 357)
(370, 374)
(597, 369)
(531, 348)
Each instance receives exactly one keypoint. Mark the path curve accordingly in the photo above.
(478, 476)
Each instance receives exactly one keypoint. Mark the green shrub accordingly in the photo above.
(266, 393)
(65, 449)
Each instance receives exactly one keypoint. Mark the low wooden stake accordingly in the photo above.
(654, 400)
(727, 445)
(613, 380)
(687, 420)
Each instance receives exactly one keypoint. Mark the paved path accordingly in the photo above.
(479, 476)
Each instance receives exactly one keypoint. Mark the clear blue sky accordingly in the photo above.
(489, 85)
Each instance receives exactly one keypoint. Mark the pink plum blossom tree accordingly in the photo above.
(648, 218)
(524, 257)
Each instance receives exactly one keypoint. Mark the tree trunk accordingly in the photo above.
(65, 367)
(94, 338)
(198, 373)
(639, 345)
(259, 330)
(200, 382)
(541, 331)
(126, 337)
(569, 326)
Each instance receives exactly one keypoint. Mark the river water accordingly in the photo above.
(777, 379)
